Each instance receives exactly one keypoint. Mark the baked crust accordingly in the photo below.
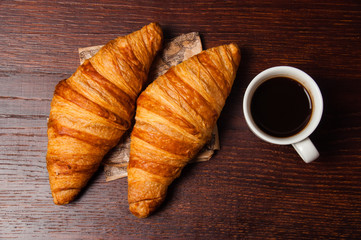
(92, 109)
(175, 117)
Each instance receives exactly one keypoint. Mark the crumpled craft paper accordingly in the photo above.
(174, 52)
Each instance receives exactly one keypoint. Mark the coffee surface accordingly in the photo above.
(281, 107)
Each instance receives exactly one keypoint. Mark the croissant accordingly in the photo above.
(174, 118)
(92, 109)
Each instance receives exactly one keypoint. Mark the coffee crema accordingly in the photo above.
(281, 107)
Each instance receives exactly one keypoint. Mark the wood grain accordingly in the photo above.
(250, 189)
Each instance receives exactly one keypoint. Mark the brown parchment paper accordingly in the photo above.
(174, 52)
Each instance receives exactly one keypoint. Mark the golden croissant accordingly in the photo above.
(174, 119)
(92, 109)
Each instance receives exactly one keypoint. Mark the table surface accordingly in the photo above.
(250, 189)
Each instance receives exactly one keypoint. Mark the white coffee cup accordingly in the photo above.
(300, 141)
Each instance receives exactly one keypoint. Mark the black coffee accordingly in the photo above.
(281, 107)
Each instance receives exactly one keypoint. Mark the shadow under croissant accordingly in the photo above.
(93, 179)
(188, 172)
(232, 111)
(99, 172)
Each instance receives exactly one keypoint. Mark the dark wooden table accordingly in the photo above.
(250, 189)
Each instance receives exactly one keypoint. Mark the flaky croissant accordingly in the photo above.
(174, 118)
(92, 109)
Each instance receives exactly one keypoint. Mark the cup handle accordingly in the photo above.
(306, 150)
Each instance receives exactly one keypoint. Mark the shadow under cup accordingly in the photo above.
(273, 81)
